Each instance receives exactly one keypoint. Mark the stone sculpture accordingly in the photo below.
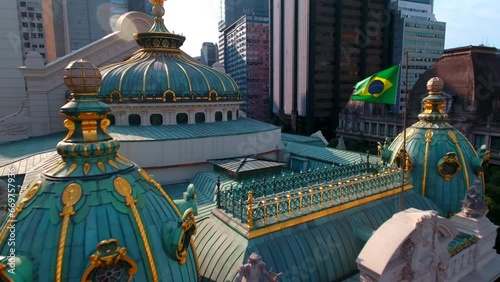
(473, 204)
(254, 270)
(385, 153)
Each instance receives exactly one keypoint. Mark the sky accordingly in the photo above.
(468, 22)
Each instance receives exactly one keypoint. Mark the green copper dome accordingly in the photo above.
(442, 162)
(93, 215)
(160, 72)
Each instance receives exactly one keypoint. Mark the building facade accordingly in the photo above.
(319, 50)
(421, 36)
(31, 27)
(246, 58)
(75, 24)
(233, 10)
(11, 56)
(208, 53)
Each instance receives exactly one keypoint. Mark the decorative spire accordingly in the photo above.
(158, 37)
(87, 142)
(434, 103)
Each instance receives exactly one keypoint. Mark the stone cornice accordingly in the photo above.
(172, 106)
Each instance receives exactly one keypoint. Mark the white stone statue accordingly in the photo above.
(254, 270)
(341, 144)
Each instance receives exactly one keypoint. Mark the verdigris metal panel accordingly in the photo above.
(321, 250)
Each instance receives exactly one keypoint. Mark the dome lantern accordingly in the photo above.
(434, 104)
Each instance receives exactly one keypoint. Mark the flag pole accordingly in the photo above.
(401, 199)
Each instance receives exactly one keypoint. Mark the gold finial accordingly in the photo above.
(157, 2)
(435, 85)
(158, 9)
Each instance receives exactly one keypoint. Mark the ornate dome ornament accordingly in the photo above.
(159, 72)
(441, 161)
(91, 200)
(434, 104)
(87, 124)
(158, 37)
(449, 166)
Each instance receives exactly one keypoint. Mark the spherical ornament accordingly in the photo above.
(82, 77)
(158, 11)
(435, 85)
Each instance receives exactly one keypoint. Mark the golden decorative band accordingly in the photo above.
(453, 137)
(31, 192)
(125, 190)
(428, 140)
(69, 198)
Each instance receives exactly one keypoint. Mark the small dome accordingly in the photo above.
(161, 72)
(93, 215)
(442, 162)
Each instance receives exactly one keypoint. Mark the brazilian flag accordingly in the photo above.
(379, 88)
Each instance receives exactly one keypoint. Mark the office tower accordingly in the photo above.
(208, 53)
(319, 50)
(31, 27)
(247, 61)
(232, 10)
(73, 24)
(417, 32)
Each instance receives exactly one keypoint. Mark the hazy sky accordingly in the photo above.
(468, 22)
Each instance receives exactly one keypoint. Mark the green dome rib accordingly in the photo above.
(153, 73)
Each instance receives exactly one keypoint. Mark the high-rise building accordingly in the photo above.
(417, 32)
(232, 10)
(246, 59)
(31, 27)
(11, 57)
(143, 6)
(73, 24)
(319, 50)
(208, 53)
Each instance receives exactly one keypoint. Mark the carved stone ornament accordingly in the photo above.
(473, 204)
(449, 166)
